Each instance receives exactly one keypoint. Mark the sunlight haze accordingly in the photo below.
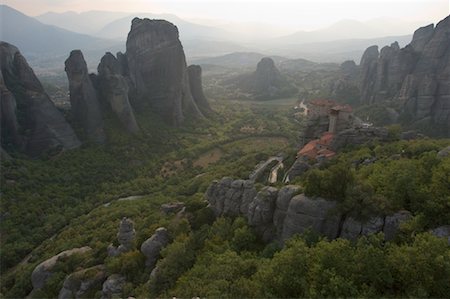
(302, 14)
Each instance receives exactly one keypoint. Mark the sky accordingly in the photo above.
(305, 14)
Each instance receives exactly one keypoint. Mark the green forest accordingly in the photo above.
(70, 200)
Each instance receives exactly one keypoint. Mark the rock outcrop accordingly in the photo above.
(125, 236)
(158, 72)
(196, 86)
(83, 283)
(30, 122)
(266, 82)
(392, 223)
(315, 214)
(113, 88)
(228, 197)
(442, 232)
(153, 245)
(417, 77)
(43, 271)
(280, 214)
(112, 287)
(445, 152)
(151, 77)
(284, 197)
(85, 106)
(260, 212)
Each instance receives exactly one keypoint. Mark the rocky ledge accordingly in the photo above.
(280, 214)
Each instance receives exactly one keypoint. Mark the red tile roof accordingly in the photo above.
(311, 150)
(326, 138)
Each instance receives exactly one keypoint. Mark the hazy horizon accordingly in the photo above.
(285, 15)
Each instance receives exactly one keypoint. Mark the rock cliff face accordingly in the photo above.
(85, 106)
(195, 84)
(280, 214)
(113, 88)
(416, 76)
(157, 69)
(29, 120)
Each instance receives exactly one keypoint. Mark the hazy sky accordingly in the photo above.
(306, 14)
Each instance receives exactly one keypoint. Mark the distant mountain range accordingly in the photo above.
(34, 38)
(349, 29)
(46, 39)
(88, 22)
(116, 25)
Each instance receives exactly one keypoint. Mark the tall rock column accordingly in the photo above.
(368, 66)
(195, 83)
(83, 97)
(114, 89)
(125, 236)
(157, 69)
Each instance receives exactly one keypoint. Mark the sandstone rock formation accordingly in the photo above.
(125, 236)
(85, 106)
(315, 214)
(228, 197)
(280, 214)
(152, 76)
(80, 283)
(195, 84)
(157, 69)
(282, 205)
(416, 76)
(260, 212)
(266, 82)
(43, 271)
(153, 245)
(392, 223)
(112, 287)
(349, 69)
(29, 120)
(113, 88)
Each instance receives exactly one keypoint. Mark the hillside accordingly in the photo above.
(88, 22)
(37, 39)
